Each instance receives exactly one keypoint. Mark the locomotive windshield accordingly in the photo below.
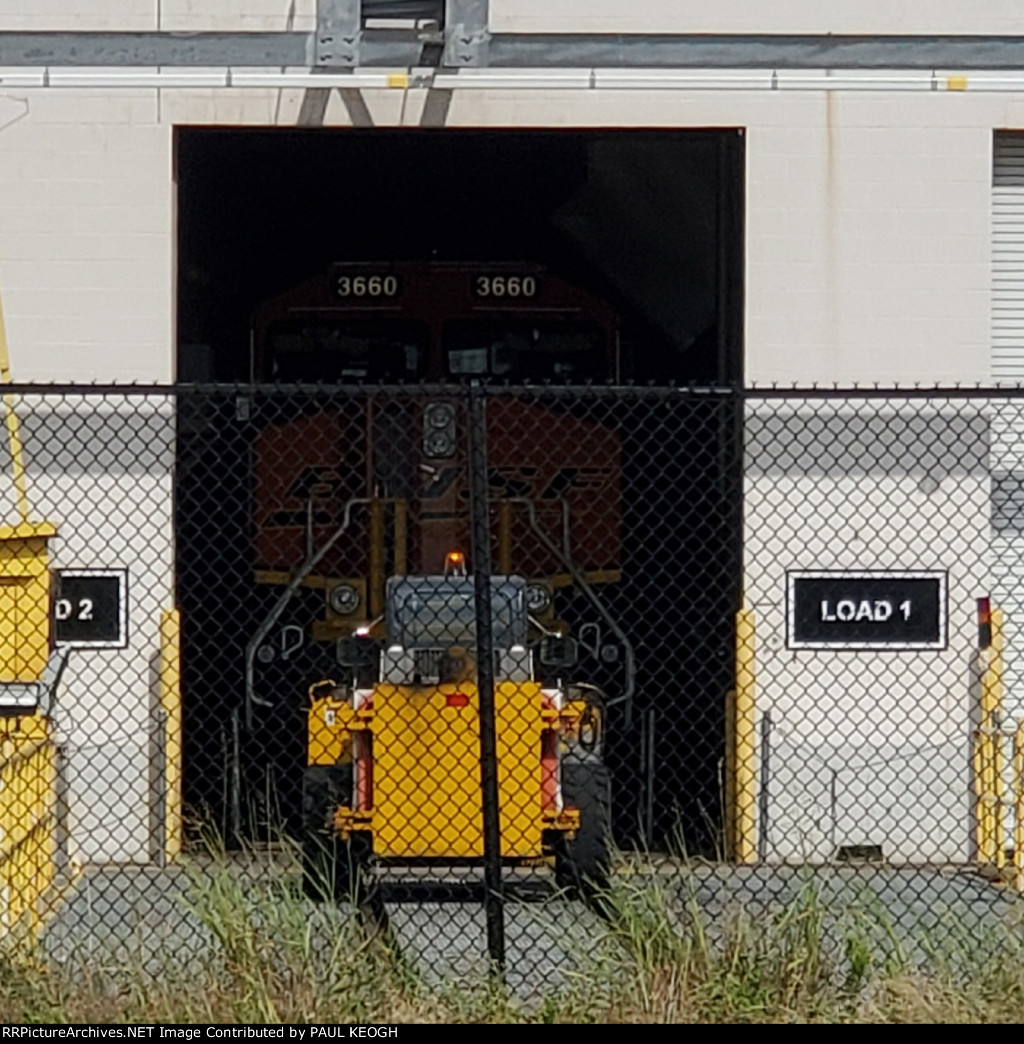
(333, 349)
(435, 321)
(525, 349)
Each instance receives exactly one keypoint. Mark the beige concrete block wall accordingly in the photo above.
(869, 244)
(100, 469)
(867, 748)
(988, 17)
(238, 15)
(167, 15)
(86, 235)
(84, 15)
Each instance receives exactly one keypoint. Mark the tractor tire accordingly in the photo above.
(332, 869)
(582, 862)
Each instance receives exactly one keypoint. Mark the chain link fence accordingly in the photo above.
(471, 660)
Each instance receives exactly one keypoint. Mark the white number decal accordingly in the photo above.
(367, 286)
(85, 609)
(905, 610)
(505, 286)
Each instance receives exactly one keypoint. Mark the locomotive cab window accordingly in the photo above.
(341, 349)
(526, 349)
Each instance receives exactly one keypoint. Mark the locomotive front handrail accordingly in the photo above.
(587, 589)
(307, 567)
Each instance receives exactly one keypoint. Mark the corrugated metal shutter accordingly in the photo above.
(1007, 436)
(1008, 259)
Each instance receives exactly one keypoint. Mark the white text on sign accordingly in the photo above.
(847, 610)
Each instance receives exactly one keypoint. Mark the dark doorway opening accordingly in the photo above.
(651, 223)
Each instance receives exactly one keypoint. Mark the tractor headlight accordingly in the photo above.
(343, 599)
(538, 598)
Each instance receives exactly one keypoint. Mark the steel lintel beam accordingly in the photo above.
(147, 49)
(563, 50)
(385, 48)
(471, 45)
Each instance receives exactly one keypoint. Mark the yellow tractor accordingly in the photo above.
(394, 765)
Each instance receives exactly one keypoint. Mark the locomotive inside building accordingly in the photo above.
(579, 259)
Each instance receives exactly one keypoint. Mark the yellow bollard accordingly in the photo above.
(170, 703)
(988, 752)
(745, 743)
(28, 822)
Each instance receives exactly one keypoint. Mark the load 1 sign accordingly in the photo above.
(866, 610)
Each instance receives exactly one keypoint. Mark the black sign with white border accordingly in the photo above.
(90, 608)
(866, 610)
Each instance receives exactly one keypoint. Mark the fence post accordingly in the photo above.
(481, 544)
(763, 809)
(1018, 807)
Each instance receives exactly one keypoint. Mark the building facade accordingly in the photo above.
(875, 203)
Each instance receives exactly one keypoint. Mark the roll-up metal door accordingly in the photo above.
(1007, 447)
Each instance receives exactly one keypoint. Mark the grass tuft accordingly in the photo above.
(654, 956)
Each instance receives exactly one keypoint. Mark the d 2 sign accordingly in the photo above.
(866, 610)
(90, 608)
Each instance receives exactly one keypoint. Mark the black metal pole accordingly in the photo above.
(762, 800)
(494, 900)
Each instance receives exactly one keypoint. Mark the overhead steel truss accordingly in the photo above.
(456, 35)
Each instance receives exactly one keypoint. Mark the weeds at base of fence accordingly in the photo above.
(273, 957)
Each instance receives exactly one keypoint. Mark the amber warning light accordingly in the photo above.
(455, 564)
(984, 623)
